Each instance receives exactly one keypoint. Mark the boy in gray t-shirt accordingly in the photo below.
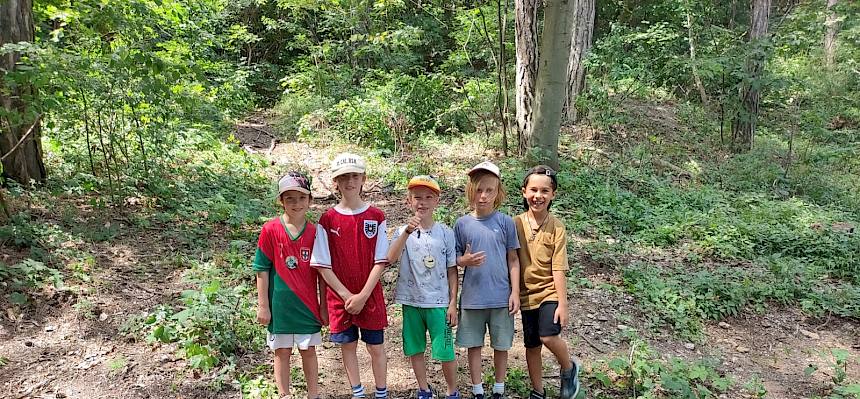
(427, 285)
(487, 247)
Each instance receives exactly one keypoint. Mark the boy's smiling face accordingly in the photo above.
(423, 201)
(295, 203)
(538, 192)
(349, 184)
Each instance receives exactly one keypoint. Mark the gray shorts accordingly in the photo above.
(473, 324)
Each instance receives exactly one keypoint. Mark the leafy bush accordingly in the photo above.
(647, 375)
(214, 322)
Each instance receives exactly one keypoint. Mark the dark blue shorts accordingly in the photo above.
(370, 337)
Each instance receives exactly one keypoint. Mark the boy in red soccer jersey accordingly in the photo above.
(350, 253)
(289, 292)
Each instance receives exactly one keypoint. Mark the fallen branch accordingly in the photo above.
(24, 137)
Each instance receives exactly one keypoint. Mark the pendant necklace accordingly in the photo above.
(429, 260)
(539, 226)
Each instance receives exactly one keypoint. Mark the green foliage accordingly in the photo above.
(27, 275)
(214, 323)
(645, 374)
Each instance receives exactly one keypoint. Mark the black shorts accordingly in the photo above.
(538, 323)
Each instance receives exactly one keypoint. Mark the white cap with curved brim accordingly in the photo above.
(488, 166)
(347, 163)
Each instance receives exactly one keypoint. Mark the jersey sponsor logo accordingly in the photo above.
(306, 254)
(292, 262)
(335, 231)
(370, 228)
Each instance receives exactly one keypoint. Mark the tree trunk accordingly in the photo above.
(527, 67)
(744, 125)
(832, 25)
(551, 82)
(691, 39)
(20, 140)
(582, 29)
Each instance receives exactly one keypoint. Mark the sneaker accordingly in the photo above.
(477, 396)
(428, 394)
(455, 395)
(498, 396)
(537, 395)
(570, 382)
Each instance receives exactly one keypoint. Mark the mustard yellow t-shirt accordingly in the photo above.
(539, 257)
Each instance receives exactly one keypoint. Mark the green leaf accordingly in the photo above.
(810, 369)
(18, 298)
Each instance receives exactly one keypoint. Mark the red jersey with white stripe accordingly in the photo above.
(351, 242)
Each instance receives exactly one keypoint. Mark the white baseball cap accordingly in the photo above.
(347, 163)
(488, 166)
(295, 181)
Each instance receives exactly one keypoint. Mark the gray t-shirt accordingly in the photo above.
(419, 285)
(489, 285)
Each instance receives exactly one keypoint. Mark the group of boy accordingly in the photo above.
(329, 274)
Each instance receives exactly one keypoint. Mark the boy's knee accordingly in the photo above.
(549, 339)
(310, 351)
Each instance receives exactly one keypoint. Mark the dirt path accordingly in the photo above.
(59, 349)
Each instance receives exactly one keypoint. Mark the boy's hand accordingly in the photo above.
(451, 315)
(560, 316)
(355, 304)
(412, 224)
(514, 303)
(264, 315)
(470, 259)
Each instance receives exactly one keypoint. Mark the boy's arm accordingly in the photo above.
(332, 281)
(356, 303)
(514, 270)
(322, 298)
(264, 313)
(453, 285)
(559, 279)
(559, 275)
(395, 249)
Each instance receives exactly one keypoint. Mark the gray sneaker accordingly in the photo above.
(537, 395)
(570, 381)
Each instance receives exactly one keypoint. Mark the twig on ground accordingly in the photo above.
(590, 342)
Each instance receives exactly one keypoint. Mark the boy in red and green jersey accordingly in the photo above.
(289, 289)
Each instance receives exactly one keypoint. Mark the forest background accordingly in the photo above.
(708, 157)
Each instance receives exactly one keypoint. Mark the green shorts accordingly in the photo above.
(474, 323)
(416, 323)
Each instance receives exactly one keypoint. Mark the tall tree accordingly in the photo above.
(831, 24)
(526, 26)
(744, 124)
(20, 140)
(551, 82)
(583, 29)
(691, 40)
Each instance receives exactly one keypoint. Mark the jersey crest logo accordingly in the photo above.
(335, 231)
(306, 254)
(370, 228)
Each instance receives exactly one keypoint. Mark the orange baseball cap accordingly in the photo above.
(424, 181)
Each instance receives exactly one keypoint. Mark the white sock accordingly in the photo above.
(499, 387)
(478, 389)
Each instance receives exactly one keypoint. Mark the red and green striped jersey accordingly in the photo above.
(293, 297)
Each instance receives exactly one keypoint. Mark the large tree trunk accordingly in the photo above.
(744, 124)
(831, 23)
(551, 82)
(582, 30)
(20, 140)
(527, 67)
